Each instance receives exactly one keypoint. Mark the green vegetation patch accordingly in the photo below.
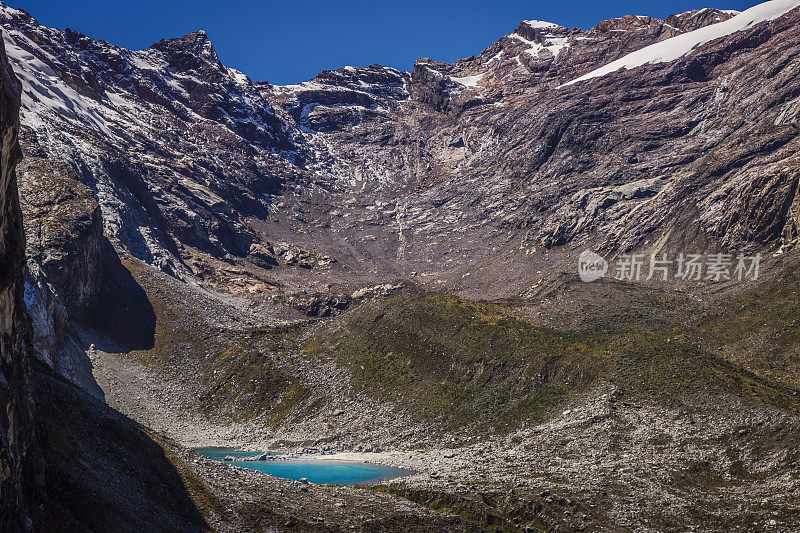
(464, 363)
(760, 326)
(491, 516)
(458, 361)
(244, 382)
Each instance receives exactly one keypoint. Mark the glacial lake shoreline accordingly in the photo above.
(315, 470)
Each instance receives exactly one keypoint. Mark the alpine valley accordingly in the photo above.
(383, 266)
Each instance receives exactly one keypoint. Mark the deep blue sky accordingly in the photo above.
(291, 41)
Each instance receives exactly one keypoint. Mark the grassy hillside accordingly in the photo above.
(244, 381)
(493, 365)
(759, 327)
(476, 364)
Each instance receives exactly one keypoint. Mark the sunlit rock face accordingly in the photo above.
(500, 162)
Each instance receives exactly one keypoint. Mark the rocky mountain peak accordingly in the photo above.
(699, 18)
(627, 23)
(673, 24)
(190, 51)
(538, 30)
(10, 14)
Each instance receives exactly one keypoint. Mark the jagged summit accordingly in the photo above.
(684, 44)
(196, 41)
(12, 12)
(190, 51)
(538, 31)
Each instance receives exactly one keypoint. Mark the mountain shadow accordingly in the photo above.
(103, 470)
(123, 313)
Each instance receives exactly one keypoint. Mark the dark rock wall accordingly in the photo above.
(18, 477)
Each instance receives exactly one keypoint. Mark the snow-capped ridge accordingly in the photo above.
(43, 92)
(681, 45)
(469, 81)
(540, 24)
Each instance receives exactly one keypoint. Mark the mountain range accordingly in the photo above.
(381, 259)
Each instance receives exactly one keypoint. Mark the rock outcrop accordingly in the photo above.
(64, 235)
(20, 477)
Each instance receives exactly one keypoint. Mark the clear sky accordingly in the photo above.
(291, 41)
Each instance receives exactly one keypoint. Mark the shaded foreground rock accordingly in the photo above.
(21, 482)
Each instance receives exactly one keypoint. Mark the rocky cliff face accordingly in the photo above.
(452, 172)
(64, 234)
(202, 172)
(49, 479)
(18, 478)
(127, 121)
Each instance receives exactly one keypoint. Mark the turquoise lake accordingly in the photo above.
(316, 471)
(219, 453)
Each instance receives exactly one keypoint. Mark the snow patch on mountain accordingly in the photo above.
(552, 44)
(540, 24)
(43, 92)
(469, 81)
(681, 45)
